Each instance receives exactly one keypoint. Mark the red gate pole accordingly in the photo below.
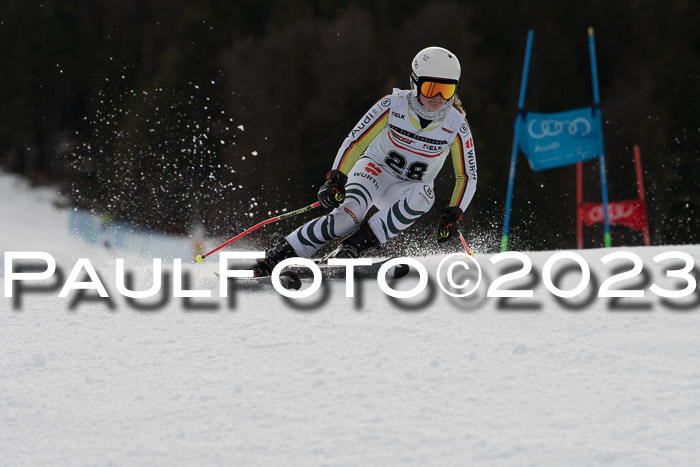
(579, 205)
(640, 191)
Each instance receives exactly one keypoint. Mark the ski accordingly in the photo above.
(293, 277)
(329, 271)
(288, 279)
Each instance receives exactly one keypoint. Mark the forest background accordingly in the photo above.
(176, 114)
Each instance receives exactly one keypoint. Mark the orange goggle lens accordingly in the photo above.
(432, 89)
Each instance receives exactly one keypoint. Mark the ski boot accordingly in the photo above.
(279, 251)
(361, 240)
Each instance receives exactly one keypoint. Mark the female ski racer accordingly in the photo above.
(390, 160)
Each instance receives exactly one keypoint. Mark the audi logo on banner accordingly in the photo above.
(555, 127)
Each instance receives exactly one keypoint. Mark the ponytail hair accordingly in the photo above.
(457, 104)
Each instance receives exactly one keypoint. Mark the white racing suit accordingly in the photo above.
(391, 163)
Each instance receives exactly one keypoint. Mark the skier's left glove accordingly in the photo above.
(447, 227)
(332, 193)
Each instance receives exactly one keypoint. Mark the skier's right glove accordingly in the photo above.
(332, 193)
(448, 223)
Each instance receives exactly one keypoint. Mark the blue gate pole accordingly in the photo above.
(514, 153)
(607, 239)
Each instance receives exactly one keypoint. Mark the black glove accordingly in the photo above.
(447, 227)
(332, 193)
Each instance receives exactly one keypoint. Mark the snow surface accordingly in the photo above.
(264, 380)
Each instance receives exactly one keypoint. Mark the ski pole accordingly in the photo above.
(200, 258)
(464, 242)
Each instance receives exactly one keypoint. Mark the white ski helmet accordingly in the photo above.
(436, 63)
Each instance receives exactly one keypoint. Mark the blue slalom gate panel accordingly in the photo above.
(551, 140)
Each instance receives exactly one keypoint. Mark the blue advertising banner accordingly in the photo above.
(556, 139)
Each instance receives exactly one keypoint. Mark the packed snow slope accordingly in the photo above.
(260, 379)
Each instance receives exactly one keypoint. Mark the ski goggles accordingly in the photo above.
(433, 88)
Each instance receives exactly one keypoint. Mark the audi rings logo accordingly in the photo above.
(555, 127)
(385, 102)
